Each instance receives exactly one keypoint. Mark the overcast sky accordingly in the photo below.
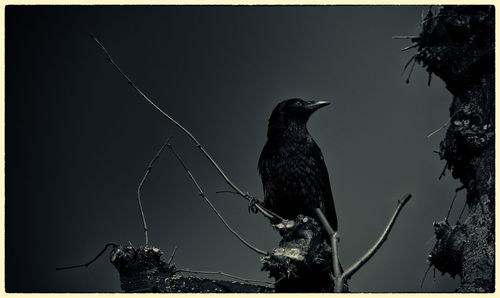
(78, 138)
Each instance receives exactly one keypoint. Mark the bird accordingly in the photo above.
(292, 168)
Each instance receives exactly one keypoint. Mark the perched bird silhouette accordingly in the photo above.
(291, 165)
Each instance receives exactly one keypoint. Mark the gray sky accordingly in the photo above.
(78, 138)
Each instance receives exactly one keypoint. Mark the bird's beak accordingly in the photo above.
(314, 105)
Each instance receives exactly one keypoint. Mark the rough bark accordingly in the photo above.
(302, 261)
(457, 44)
(143, 270)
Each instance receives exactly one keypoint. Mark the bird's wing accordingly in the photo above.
(324, 183)
(266, 176)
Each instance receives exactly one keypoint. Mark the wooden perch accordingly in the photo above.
(341, 278)
(144, 270)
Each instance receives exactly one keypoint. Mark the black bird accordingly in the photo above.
(291, 165)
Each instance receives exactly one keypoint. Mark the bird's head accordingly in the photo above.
(293, 112)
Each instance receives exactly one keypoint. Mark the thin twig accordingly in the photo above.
(437, 130)
(409, 47)
(354, 268)
(453, 201)
(246, 196)
(247, 280)
(202, 194)
(150, 166)
(172, 255)
(461, 212)
(405, 37)
(408, 63)
(114, 245)
(411, 71)
(279, 279)
(226, 191)
(444, 125)
(444, 171)
(425, 275)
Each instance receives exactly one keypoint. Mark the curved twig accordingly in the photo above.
(263, 210)
(150, 166)
(172, 255)
(202, 194)
(356, 266)
(453, 201)
(114, 245)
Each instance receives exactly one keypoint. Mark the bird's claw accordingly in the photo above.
(252, 205)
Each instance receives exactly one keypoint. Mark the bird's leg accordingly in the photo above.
(251, 204)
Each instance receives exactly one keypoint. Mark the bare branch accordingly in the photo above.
(461, 212)
(337, 272)
(172, 255)
(425, 275)
(247, 280)
(444, 125)
(246, 196)
(150, 166)
(202, 194)
(226, 191)
(453, 201)
(411, 71)
(409, 47)
(356, 266)
(444, 171)
(408, 63)
(437, 130)
(114, 245)
(405, 37)
(325, 222)
(339, 278)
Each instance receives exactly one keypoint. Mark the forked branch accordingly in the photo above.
(202, 194)
(340, 279)
(356, 266)
(249, 198)
(148, 170)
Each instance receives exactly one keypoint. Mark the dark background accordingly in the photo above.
(78, 138)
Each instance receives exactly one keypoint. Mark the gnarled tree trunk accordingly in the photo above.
(458, 45)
